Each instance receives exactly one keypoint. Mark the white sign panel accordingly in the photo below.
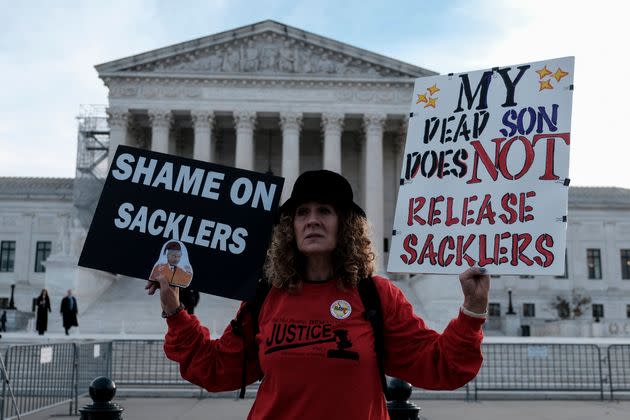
(537, 352)
(45, 355)
(97, 350)
(484, 175)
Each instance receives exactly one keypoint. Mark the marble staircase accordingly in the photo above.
(125, 308)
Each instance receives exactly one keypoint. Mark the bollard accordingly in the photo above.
(398, 406)
(102, 391)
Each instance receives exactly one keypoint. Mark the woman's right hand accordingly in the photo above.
(169, 295)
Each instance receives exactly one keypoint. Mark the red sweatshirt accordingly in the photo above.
(316, 351)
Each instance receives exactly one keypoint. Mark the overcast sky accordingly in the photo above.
(48, 50)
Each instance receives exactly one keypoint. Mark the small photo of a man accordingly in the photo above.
(173, 264)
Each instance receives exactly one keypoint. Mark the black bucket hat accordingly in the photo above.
(322, 186)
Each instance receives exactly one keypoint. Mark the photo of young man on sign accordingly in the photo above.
(173, 263)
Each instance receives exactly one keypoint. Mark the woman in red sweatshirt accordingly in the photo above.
(315, 348)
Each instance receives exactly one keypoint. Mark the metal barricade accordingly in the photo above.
(40, 376)
(142, 362)
(94, 359)
(619, 368)
(541, 368)
(45, 375)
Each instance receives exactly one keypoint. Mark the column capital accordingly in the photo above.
(374, 121)
(401, 136)
(333, 120)
(202, 119)
(291, 120)
(160, 118)
(117, 117)
(404, 126)
(244, 119)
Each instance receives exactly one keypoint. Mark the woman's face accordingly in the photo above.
(315, 225)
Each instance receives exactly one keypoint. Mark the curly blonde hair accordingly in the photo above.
(352, 259)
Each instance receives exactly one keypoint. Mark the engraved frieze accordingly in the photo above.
(150, 91)
(9, 221)
(270, 53)
(122, 91)
(344, 95)
(170, 91)
(385, 96)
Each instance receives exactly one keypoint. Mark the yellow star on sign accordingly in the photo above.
(421, 98)
(545, 84)
(559, 74)
(433, 89)
(432, 102)
(543, 72)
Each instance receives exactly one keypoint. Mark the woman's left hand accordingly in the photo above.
(475, 285)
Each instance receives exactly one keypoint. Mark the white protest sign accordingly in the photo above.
(45, 355)
(538, 352)
(484, 175)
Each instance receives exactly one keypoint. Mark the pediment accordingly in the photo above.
(267, 49)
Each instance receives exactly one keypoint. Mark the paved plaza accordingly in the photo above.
(230, 409)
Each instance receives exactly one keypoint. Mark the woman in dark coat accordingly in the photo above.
(43, 307)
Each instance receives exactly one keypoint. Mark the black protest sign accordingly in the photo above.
(201, 225)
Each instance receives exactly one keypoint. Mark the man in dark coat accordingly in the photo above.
(69, 311)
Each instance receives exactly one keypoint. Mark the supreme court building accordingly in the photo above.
(273, 98)
(269, 97)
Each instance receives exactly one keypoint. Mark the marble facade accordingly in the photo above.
(269, 97)
(273, 98)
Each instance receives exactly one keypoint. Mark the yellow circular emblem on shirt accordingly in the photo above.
(340, 309)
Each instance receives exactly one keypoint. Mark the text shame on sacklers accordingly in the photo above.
(194, 181)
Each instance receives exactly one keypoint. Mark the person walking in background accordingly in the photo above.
(69, 311)
(42, 305)
(3, 322)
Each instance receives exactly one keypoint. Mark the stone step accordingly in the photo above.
(126, 308)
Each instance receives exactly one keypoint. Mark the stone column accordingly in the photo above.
(332, 124)
(291, 123)
(118, 119)
(373, 124)
(160, 125)
(244, 121)
(203, 147)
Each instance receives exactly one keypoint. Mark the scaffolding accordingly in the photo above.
(92, 154)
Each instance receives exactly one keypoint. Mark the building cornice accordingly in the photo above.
(257, 29)
(253, 79)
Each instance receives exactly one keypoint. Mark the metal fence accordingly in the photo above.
(619, 368)
(142, 362)
(94, 359)
(541, 368)
(42, 376)
(45, 375)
